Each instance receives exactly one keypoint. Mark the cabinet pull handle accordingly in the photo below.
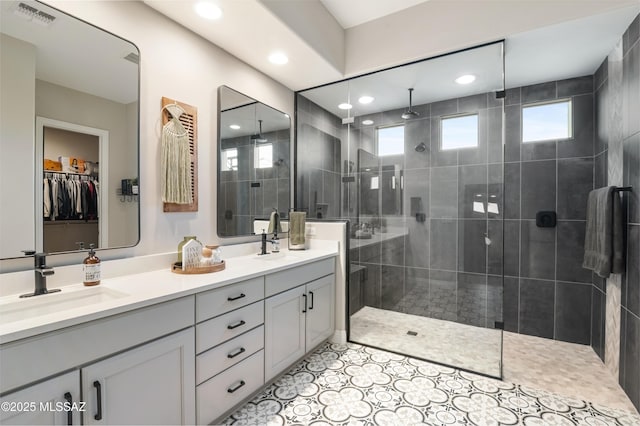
(67, 397)
(311, 307)
(98, 387)
(304, 311)
(236, 325)
(236, 353)
(231, 299)
(238, 386)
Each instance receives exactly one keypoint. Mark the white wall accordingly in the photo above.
(17, 80)
(178, 64)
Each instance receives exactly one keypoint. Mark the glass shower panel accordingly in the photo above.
(422, 186)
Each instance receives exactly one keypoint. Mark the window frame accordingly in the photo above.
(378, 139)
(570, 118)
(460, 115)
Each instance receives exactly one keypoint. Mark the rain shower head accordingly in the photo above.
(421, 147)
(258, 137)
(410, 113)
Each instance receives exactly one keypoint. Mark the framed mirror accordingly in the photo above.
(253, 162)
(69, 133)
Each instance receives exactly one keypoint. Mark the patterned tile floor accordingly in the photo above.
(350, 384)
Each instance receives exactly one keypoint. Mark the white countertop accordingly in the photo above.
(136, 291)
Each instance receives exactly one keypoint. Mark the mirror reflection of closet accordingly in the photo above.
(72, 196)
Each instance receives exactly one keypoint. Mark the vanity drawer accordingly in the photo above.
(218, 359)
(290, 278)
(217, 330)
(218, 395)
(221, 300)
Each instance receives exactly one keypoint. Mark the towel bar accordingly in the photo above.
(623, 189)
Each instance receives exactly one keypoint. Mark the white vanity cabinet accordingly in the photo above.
(191, 359)
(138, 382)
(45, 403)
(151, 384)
(229, 347)
(299, 318)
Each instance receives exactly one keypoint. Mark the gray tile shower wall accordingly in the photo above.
(611, 105)
(319, 146)
(448, 250)
(241, 202)
(547, 292)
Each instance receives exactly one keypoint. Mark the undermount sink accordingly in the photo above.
(283, 255)
(14, 309)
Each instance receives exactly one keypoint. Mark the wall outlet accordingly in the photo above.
(311, 231)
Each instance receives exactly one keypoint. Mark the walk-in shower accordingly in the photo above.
(468, 208)
(422, 187)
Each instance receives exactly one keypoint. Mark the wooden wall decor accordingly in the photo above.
(190, 122)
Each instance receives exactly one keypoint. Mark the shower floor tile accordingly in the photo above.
(350, 384)
(464, 346)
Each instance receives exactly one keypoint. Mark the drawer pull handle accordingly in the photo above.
(311, 307)
(238, 386)
(236, 353)
(231, 299)
(67, 397)
(304, 311)
(98, 387)
(236, 325)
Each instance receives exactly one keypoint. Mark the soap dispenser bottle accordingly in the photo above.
(91, 268)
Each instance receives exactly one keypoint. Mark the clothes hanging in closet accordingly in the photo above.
(70, 197)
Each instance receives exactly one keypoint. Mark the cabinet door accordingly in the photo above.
(42, 404)
(320, 311)
(284, 330)
(152, 384)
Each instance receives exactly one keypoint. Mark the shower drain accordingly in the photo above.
(412, 333)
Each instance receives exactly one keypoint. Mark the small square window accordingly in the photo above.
(263, 156)
(547, 121)
(229, 160)
(391, 140)
(460, 131)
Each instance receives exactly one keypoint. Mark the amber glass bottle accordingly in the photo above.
(91, 268)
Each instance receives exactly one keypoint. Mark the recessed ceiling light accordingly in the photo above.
(208, 10)
(466, 79)
(278, 58)
(365, 99)
(367, 122)
(345, 106)
(234, 126)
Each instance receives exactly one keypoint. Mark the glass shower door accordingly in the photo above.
(421, 182)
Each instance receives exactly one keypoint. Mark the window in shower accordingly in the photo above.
(263, 156)
(459, 131)
(547, 121)
(390, 140)
(229, 160)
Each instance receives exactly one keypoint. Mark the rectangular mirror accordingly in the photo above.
(69, 133)
(253, 162)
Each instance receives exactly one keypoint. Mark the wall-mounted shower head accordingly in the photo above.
(421, 147)
(410, 113)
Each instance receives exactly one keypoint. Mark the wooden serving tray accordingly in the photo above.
(177, 268)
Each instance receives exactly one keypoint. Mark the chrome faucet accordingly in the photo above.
(42, 271)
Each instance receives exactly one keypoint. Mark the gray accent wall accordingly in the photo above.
(240, 202)
(547, 292)
(617, 161)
